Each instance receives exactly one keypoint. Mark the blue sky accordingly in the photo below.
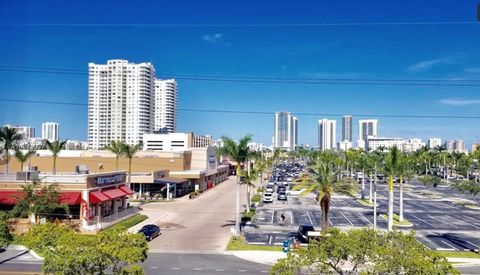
(378, 51)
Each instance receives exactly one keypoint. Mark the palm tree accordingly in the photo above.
(239, 153)
(391, 166)
(406, 170)
(21, 157)
(129, 152)
(115, 147)
(55, 147)
(9, 137)
(248, 179)
(321, 179)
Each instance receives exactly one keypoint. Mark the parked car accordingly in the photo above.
(150, 231)
(282, 196)
(269, 190)
(303, 232)
(268, 197)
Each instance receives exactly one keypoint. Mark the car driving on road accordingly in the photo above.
(150, 231)
(267, 197)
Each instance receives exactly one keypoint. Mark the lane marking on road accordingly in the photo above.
(346, 218)
(361, 215)
(242, 270)
(277, 243)
(264, 271)
(198, 269)
(309, 218)
(273, 217)
(448, 244)
(154, 267)
(291, 217)
(174, 268)
(219, 270)
(270, 239)
(423, 220)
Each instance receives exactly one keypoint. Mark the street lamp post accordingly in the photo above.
(375, 199)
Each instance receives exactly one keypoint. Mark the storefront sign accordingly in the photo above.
(109, 179)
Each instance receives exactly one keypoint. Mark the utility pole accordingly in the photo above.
(375, 198)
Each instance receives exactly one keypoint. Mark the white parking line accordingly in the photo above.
(273, 216)
(291, 217)
(270, 239)
(361, 215)
(333, 204)
(423, 221)
(448, 244)
(472, 244)
(256, 243)
(346, 203)
(309, 218)
(346, 218)
(330, 222)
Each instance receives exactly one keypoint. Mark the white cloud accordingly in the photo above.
(212, 38)
(427, 65)
(459, 102)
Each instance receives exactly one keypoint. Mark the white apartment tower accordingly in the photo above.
(26, 131)
(285, 131)
(50, 131)
(434, 143)
(165, 106)
(327, 134)
(119, 102)
(366, 128)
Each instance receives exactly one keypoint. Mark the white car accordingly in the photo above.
(269, 190)
(268, 197)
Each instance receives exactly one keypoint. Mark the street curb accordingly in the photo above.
(34, 254)
(169, 251)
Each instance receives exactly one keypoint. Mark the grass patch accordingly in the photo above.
(458, 254)
(256, 198)
(365, 203)
(125, 224)
(238, 243)
(260, 189)
(396, 220)
(248, 216)
(472, 206)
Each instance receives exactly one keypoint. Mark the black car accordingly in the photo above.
(150, 231)
(281, 189)
(302, 233)
(282, 196)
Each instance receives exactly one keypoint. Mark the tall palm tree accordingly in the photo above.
(21, 157)
(239, 153)
(320, 179)
(129, 152)
(9, 137)
(406, 170)
(55, 147)
(248, 180)
(115, 147)
(391, 166)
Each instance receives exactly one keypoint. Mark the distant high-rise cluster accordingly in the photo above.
(285, 131)
(125, 101)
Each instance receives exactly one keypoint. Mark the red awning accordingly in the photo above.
(97, 197)
(125, 189)
(10, 197)
(70, 198)
(113, 193)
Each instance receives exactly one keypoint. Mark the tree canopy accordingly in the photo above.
(68, 252)
(364, 251)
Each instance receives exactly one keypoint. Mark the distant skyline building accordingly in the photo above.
(165, 106)
(475, 146)
(295, 132)
(327, 134)
(347, 128)
(459, 146)
(434, 142)
(366, 128)
(375, 143)
(284, 132)
(450, 145)
(26, 131)
(50, 131)
(126, 101)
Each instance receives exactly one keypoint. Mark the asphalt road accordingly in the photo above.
(201, 224)
(162, 263)
(439, 223)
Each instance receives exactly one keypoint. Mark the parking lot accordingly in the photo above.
(438, 223)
